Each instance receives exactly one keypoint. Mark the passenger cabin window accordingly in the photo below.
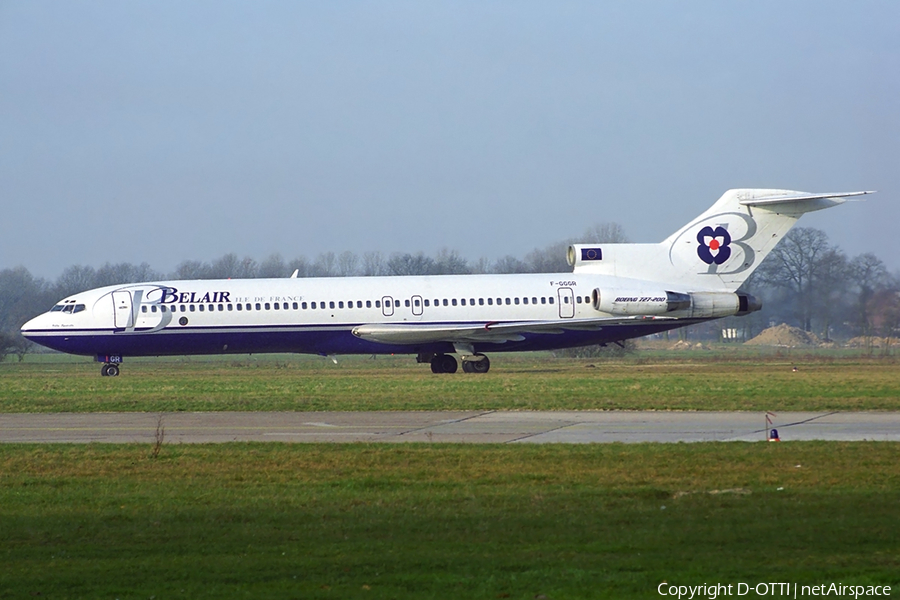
(331, 304)
(368, 304)
(202, 308)
(259, 306)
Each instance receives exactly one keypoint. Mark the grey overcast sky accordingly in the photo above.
(165, 131)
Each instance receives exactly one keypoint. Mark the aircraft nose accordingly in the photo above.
(32, 325)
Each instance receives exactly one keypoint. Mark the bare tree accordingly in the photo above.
(869, 274)
(74, 279)
(273, 267)
(509, 264)
(374, 264)
(449, 262)
(408, 264)
(347, 264)
(325, 265)
(301, 266)
(605, 233)
(230, 266)
(191, 269)
(803, 263)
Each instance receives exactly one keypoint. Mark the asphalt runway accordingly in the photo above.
(576, 427)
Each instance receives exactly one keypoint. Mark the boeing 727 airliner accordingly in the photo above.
(615, 292)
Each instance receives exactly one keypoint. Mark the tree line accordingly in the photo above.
(806, 281)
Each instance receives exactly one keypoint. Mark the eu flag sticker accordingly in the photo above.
(591, 254)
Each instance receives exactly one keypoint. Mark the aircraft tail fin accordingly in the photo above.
(716, 251)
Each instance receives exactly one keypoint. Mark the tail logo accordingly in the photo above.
(714, 245)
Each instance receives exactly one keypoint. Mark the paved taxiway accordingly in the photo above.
(453, 427)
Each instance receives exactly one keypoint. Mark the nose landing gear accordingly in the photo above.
(109, 370)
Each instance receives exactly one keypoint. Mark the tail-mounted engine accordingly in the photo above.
(695, 305)
(639, 302)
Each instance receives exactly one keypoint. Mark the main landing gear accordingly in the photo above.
(109, 370)
(444, 363)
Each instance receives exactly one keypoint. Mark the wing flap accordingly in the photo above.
(498, 333)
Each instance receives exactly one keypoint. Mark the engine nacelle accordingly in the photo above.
(639, 302)
(700, 305)
(722, 304)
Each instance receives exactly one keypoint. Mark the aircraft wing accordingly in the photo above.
(408, 333)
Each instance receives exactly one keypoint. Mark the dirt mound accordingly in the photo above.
(683, 345)
(873, 342)
(784, 335)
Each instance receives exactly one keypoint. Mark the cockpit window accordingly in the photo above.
(68, 308)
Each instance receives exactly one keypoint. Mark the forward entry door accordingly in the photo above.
(122, 306)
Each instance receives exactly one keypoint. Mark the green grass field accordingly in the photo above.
(714, 380)
(435, 521)
(427, 521)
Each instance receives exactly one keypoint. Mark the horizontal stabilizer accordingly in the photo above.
(783, 199)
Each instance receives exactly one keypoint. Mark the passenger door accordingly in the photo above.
(387, 306)
(124, 317)
(566, 303)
